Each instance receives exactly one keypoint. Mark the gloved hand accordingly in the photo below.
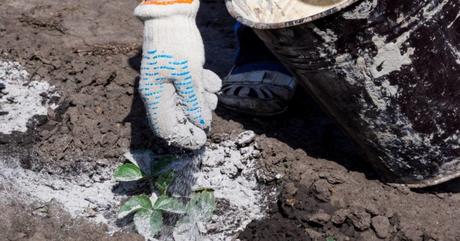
(178, 93)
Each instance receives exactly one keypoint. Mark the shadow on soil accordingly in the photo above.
(307, 127)
(141, 135)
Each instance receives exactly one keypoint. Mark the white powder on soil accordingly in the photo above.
(20, 99)
(80, 196)
(227, 168)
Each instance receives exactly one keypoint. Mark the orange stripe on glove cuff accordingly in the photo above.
(166, 2)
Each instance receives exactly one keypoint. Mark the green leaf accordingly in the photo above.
(202, 204)
(330, 239)
(148, 222)
(169, 204)
(134, 204)
(128, 172)
(164, 181)
(156, 221)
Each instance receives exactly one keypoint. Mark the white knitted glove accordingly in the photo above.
(178, 93)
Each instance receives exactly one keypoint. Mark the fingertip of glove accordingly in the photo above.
(196, 141)
(212, 82)
(188, 136)
(212, 100)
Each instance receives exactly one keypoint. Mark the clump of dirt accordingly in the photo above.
(322, 199)
(51, 223)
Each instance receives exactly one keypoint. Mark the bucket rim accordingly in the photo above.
(286, 24)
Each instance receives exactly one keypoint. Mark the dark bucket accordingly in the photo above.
(389, 72)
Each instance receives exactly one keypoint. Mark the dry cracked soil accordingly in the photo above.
(90, 51)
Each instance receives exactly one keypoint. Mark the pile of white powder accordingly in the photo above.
(20, 98)
(228, 168)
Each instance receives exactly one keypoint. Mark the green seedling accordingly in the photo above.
(198, 210)
(202, 204)
(148, 211)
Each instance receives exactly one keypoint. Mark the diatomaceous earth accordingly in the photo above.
(227, 167)
(21, 98)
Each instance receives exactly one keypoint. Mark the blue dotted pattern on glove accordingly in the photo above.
(159, 69)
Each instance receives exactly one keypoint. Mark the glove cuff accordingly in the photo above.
(152, 9)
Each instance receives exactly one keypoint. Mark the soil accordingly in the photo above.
(90, 50)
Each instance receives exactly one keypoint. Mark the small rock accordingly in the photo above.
(102, 162)
(245, 150)
(265, 176)
(340, 216)
(45, 134)
(320, 218)
(290, 202)
(372, 209)
(290, 189)
(313, 234)
(256, 154)
(246, 138)
(40, 211)
(240, 164)
(322, 190)
(331, 178)
(257, 146)
(124, 142)
(382, 226)
(217, 138)
(96, 178)
(212, 162)
(230, 170)
(360, 219)
(90, 212)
